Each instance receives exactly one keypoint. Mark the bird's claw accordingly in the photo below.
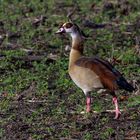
(118, 113)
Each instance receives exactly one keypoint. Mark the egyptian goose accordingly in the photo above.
(92, 73)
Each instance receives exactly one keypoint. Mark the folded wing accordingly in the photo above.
(111, 78)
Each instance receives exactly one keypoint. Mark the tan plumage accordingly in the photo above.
(90, 73)
(102, 69)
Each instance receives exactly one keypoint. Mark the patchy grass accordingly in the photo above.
(38, 100)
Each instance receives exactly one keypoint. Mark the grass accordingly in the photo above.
(38, 100)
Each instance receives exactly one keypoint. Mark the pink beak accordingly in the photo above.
(60, 31)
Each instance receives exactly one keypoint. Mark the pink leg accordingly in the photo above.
(88, 100)
(117, 111)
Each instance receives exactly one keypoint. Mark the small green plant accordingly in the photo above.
(88, 136)
(107, 133)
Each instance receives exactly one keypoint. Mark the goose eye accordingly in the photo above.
(68, 25)
(61, 29)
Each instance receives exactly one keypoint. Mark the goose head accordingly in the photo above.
(71, 29)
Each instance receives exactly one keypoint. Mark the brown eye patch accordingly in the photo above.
(68, 25)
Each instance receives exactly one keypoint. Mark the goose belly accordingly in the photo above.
(85, 78)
